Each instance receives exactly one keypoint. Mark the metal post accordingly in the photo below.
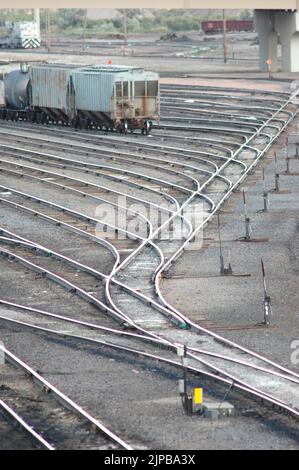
(266, 201)
(222, 270)
(268, 313)
(265, 194)
(224, 38)
(187, 401)
(276, 174)
(287, 155)
(229, 269)
(297, 151)
(185, 369)
(247, 220)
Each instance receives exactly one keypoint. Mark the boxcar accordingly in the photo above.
(216, 26)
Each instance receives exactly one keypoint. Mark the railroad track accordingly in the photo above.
(54, 422)
(229, 150)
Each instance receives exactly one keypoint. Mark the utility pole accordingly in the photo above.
(36, 15)
(84, 29)
(48, 29)
(224, 38)
(125, 26)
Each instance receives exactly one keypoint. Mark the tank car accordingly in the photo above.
(111, 97)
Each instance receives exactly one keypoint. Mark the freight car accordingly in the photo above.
(216, 26)
(103, 96)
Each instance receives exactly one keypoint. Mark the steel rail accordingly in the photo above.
(170, 261)
(252, 393)
(251, 126)
(64, 399)
(107, 167)
(74, 190)
(265, 109)
(141, 337)
(14, 238)
(7, 411)
(72, 212)
(251, 91)
(67, 226)
(153, 147)
(173, 151)
(211, 105)
(140, 159)
(36, 247)
(197, 358)
(161, 168)
(202, 187)
(168, 196)
(209, 112)
(249, 121)
(86, 183)
(114, 178)
(183, 317)
(119, 193)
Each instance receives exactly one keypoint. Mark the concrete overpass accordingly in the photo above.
(171, 4)
(274, 20)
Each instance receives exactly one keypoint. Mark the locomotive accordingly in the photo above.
(106, 97)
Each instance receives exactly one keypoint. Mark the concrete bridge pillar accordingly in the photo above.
(270, 24)
(287, 26)
(264, 22)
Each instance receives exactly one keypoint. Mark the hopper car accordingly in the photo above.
(105, 97)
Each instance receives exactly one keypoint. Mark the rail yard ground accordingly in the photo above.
(51, 260)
